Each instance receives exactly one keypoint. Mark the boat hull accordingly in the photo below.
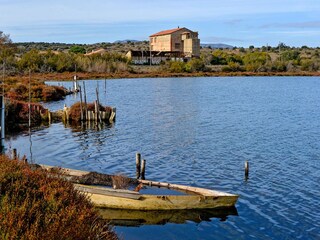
(196, 198)
(169, 202)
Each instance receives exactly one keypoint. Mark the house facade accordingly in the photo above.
(180, 40)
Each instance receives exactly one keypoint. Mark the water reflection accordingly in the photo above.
(89, 126)
(135, 218)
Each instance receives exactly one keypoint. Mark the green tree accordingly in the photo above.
(65, 62)
(77, 49)
(290, 55)
(176, 66)
(7, 50)
(31, 60)
(195, 65)
(233, 67)
(219, 57)
(309, 65)
(254, 61)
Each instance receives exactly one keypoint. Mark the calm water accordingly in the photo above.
(200, 131)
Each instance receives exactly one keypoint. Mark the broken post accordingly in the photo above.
(98, 103)
(143, 169)
(81, 109)
(85, 101)
(14, 154)
(96, 109)
(49, 116)
(2, 122)
(138, 165)
(246, 170)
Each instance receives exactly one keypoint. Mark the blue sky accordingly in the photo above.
(234, 22)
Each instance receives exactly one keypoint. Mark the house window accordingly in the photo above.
(177, 45)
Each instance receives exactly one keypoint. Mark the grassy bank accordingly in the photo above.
(68, 76)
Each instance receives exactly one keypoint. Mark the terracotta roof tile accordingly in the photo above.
(165, 32)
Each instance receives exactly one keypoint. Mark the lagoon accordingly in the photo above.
(200, 131)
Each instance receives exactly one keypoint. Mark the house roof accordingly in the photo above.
(165, 32)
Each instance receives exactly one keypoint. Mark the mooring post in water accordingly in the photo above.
(81, 109)
(143, 169)
(98, 103)
(75, 78)
(138, 164)
(85, 101)
(246, 170)
(49, 117)
(14, 154)
(96, 110)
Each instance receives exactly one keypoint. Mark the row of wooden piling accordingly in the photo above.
(141, 165)
(97, 116)
(141, 168)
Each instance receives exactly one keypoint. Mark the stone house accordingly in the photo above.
(180, 40)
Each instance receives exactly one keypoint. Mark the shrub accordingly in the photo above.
(36, 205)
(75, 110)
(255, 61)
(17, 112)
(176, 66)
(309, 65)
(77, 49)
(53, 93)
(19, 92)
(39, 92)
(195, 65)
(233, 67)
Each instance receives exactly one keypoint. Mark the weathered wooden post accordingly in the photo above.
(96, 108)
(113, 115)
(65, 117)
(49, 116)
(85, 101)
(138, 165)
(2, 122)
(75, 81)
(14, 154)
(98, 103)
(143, 169)
(246, 170)
(81, 109)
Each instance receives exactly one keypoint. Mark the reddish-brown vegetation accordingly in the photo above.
(17, 114)
(38, 92)
(75, 112)
(36, 205)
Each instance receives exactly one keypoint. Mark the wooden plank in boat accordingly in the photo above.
(108, 191)
(197, 190)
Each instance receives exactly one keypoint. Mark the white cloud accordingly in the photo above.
(112, 20)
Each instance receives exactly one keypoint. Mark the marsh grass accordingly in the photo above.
(38, 205)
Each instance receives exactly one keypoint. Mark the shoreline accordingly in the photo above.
(68, 76)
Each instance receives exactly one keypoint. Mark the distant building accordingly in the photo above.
(143, 57)
(180, 40)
